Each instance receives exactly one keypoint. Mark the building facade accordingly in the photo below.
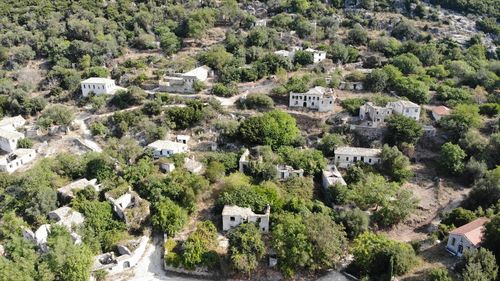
(405, 108)
(284, 172)
(466, 237)
(375, 115)
(346, 156)
(318, 98)
(232, 216)
(98, 86)
(17, 159)
(165, 148)
(185, 82)
(331, 176)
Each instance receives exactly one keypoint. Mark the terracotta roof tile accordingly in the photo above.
(473, 231)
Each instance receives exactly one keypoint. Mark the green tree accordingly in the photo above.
(397, 210)
(25, 143)
(479, 265)
(408, 63)
(458, 217)
(402, 129)
(462, 118)
(215, 171)
(376, 81)
(395, 164)
(371, 191)
(491, 240)
(415, 90)
(452, 158)
(303, 58)
(438, 274)
(329, 143)
(168, 217)
(311, 161)
(357, 35)
(355, 222)
(486, 191)
(246, 247)
(257, 101)
(56, 115)
(275, 128)
(169, 42)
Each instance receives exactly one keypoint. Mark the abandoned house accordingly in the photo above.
(440, 111)
(466, 237)
(284, 172)
(130, 253)
(131, 208)
(185, 82)
(9, 139)
(12, 123)
(331, 176)
(233, 216)
(376, 115)
(318, 98)
(17, 159)
(345, 156)
(68, 190)
(166, 148)
(99, 86)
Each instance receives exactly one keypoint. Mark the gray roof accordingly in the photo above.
(349, 150)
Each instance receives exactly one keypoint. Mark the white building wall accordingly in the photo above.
(408, 111)
(457, 244)
(9, 144)
(344, 160)
(98, 88)
(17, 163)
(316, 102)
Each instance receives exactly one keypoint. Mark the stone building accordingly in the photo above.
(346, 156)
(466, 237)
(233, 216)
(318, 98)
(99, 86)
(185, 82)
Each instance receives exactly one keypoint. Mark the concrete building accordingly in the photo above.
(182, 138)
(244, 160)
(99, 86)
(440, 111)
(331, 176)
(184, 83)
(130, 254)
(130, 207)
(345, 156)
(351, 85)
(318, 56)
(166, 148)
(17, 159)
(284, 172)
(68, 190)
(405, 108)
(318, 98)
(466, 237)
(233, 216)
(67, 217)
(260, 23)
(9, 140)
(12, 123)
(193, 166)
(376, 115)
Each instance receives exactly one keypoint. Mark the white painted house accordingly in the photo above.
(99, 86)
(232, 216)
(331, 176)
(166, 148)
(130, 254)
(9, 140)
(466, 237)
(318, 56)
(318, 98)
(284, 172)
(12, 123)
(184, 83)
(405, 108)
(440, 111)
(17, 159)
(346, 156)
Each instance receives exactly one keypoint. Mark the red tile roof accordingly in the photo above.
(441, 110)
(473, 231)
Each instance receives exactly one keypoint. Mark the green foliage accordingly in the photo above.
(371, 191)
(243, 196)
(396, 210)
(451, 158)
(168, 217)
(402, 129)
(25, 143)
(355, 222)
(215, 171)
(56, 115)
(376, 81)
(462, 118)
(198, 246)
(415, 90)
(395, 164)
(303, 58)
(133, 96)
(486, 191)
(352, 105)
(96, 71)
(329, 143)
(310, 242)
(257, 101)
(246, 247)
(311, 161)
(458, 217)
(373, 254)
(453, 96)
(357, 35)
(479, 265)
(408, 63)
(222, 90)
(438, 274)
(185, 117)
(274, 128)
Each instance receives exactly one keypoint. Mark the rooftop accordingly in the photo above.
(473, 231)
(18, 153)
(97, 80)
(406, 103)
(66, 216)
(441, 110)
(166, 144)
(199, 71)
(333, 175)
(318, 90)
(231, 210)
(12, 120)
(349, 150)
(10, 134)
